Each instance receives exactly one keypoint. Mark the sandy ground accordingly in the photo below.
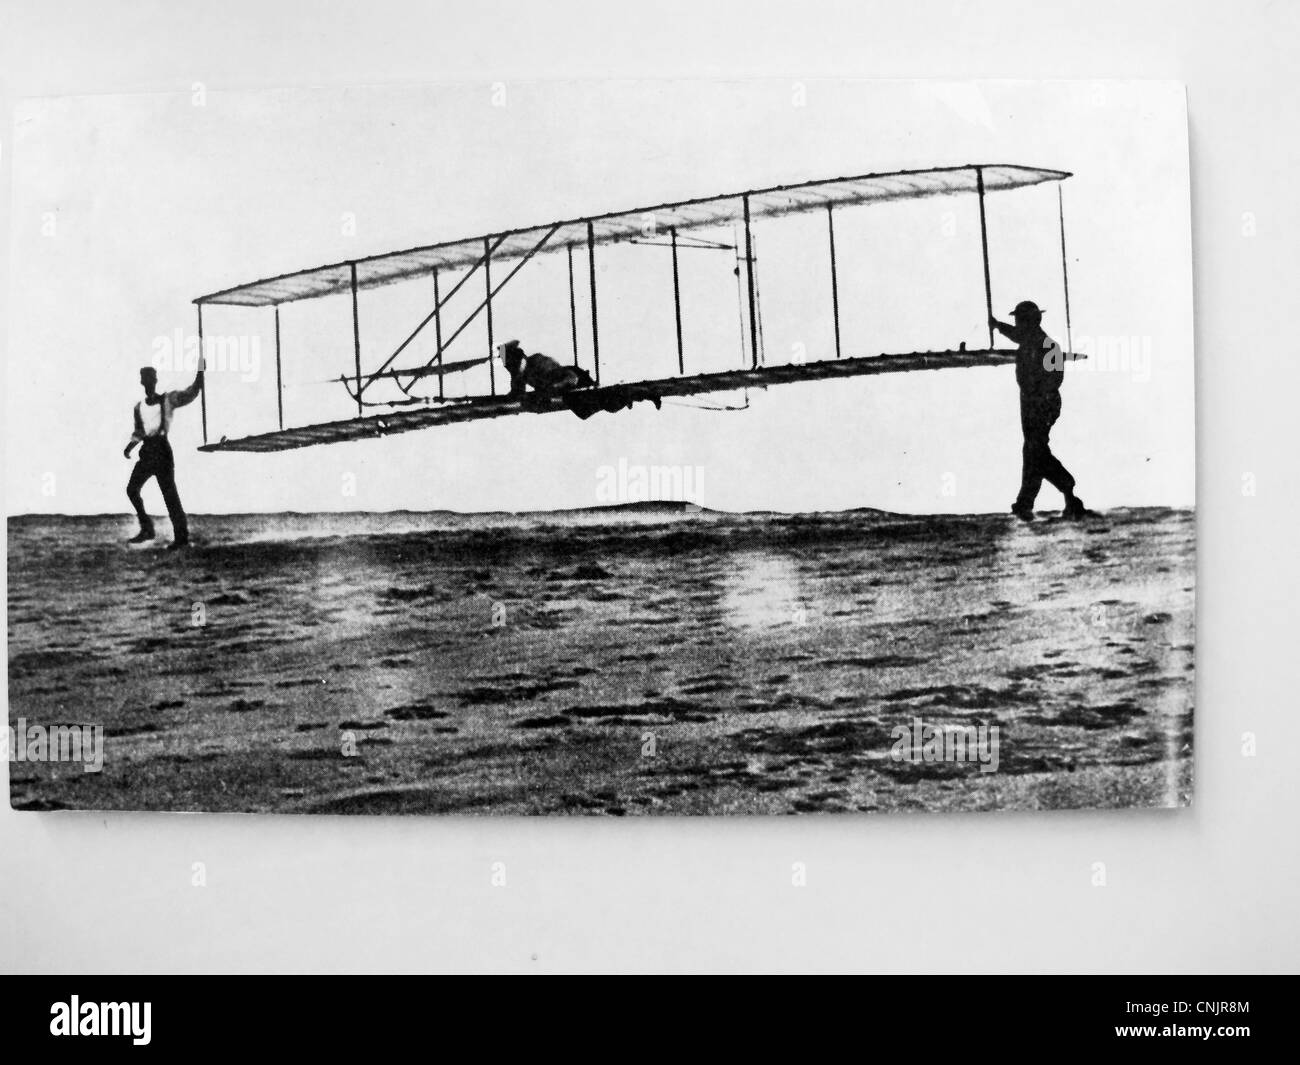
(646, 662)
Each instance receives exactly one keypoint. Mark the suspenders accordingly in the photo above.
(161, 434)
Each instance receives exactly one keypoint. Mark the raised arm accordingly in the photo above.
(184, 396)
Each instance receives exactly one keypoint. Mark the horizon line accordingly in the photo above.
(639, 505)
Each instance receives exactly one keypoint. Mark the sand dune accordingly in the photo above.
(644, 660)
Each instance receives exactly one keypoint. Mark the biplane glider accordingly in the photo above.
(412, 402)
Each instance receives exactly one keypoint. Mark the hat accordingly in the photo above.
(1027, 307)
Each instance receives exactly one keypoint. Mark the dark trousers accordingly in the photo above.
(156, 461)
(1037, 416)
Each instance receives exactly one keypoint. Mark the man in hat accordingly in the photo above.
(153, 420)
(1040, 369)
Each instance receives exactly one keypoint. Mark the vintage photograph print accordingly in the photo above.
(611, 448)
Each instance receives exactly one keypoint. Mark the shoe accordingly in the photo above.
(1023, 512)
(178, 545)
(140, 537)
(1074, 508)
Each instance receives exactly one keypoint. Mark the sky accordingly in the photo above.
(128, 207)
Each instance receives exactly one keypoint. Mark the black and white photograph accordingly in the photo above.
(839, 479)
(714, 488)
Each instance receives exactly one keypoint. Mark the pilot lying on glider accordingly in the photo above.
(539, 372)
(546, 377)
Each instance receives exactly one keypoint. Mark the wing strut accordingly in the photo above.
(595, 332)
(1065, 272)
(356, 335)
(573, 308)
(749, 267)
(279, 377)
(677, 305)
(984, 244)
(835, 282)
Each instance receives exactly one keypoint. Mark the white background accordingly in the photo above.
(1210, 888)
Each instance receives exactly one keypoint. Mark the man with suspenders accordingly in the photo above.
(153, 419)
